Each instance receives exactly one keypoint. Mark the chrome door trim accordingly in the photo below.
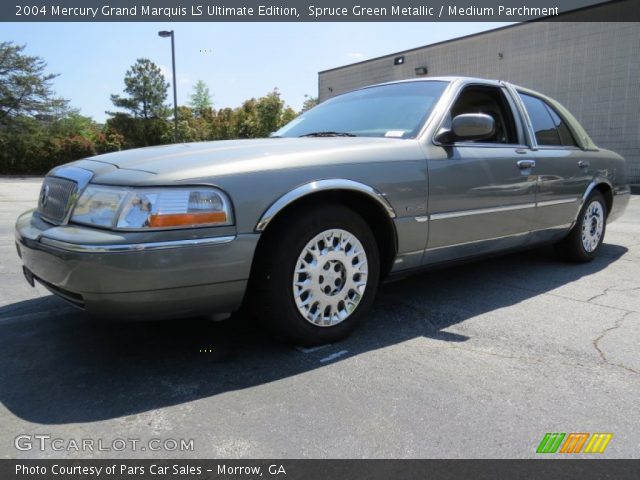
(562, 201)
(506, 208)
(319, 186)
(480, 211)
(135, 247)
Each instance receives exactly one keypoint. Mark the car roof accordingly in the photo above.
(449, 79)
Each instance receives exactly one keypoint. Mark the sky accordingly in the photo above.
(236, 60)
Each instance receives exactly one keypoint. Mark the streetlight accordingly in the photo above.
(165, 34)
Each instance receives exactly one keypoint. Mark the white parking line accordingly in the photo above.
(333, 356)
(312, 349)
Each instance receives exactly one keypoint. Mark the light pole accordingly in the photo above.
(165, 34)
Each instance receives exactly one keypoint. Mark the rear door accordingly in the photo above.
(481, 193)
(562, 168)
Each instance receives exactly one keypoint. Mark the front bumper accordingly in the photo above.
(108, 275)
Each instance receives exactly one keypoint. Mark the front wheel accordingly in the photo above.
(585, 239)
(319, 275)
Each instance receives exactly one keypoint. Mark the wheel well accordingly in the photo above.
(373, 213)
(607, 194)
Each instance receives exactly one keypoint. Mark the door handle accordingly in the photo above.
(584, 163)
(524, 164)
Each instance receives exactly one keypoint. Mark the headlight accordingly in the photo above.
(122, 208)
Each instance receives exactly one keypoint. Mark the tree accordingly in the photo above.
(146, 88)
(201, 98)
(309, 103)
(224, 124)
(246, 119)
(269, 110)
(25, 88)
(138, 132)
(146, 123)
(287, 115)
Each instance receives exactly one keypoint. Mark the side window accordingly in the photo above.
(489, 100)
(549, 128)
(563, 130)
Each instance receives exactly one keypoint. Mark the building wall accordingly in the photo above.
(591, 68)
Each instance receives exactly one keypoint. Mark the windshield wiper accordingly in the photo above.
(329, 134)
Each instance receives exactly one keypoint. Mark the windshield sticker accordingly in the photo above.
(394, 133)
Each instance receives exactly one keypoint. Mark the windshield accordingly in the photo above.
(396, 111)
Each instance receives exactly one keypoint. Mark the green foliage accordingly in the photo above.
(39, 131)
(146, 88)
(259, 118)
(201, 98)
(246, 119)
(32, 145)
(270, 109)
(145, 122)
(139, 132)
(309, 103)
(223, 125)
(288, 114)
(25, 88)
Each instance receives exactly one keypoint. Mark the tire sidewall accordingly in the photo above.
(296, 236)
(578, 245)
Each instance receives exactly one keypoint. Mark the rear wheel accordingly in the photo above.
(585, 239)
(318, 275)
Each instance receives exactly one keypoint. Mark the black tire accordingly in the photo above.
(572, 246)
(272, 291)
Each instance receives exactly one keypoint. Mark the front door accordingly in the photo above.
(482, 193)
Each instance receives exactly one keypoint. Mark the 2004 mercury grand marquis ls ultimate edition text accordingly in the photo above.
(302, 226)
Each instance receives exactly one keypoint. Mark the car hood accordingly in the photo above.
(229, 157)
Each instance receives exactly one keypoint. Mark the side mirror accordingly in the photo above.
(468, 126)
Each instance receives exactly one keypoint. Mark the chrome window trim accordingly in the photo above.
(559, 147)
(438, 110)
(135, 247)
(524, 116)
(483, 145)
(320, 186)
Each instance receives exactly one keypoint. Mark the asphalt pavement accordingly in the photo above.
(476, 361)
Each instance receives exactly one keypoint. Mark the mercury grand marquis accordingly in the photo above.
(302, 227)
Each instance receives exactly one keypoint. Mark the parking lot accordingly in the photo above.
(477, 361)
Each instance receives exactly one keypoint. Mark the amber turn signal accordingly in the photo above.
(187, 219)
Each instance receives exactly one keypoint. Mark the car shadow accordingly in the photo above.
(58, 367)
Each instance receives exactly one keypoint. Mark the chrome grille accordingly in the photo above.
(56, 198)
